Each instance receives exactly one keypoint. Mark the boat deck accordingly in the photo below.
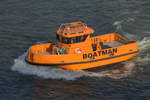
(112, 44)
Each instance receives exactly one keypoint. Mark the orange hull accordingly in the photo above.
(97, 63)
(91, 52)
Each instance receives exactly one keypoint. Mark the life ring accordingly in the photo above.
(78, 50)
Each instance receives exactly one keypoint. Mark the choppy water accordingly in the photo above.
(24, 23)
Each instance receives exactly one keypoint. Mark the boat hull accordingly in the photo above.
(97, 63)
(90, 64)
(118, 52)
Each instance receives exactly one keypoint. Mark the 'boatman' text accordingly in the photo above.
(100, 53)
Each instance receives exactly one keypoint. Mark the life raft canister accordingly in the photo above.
(78, 50)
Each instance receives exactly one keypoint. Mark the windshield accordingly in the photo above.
(71, 40)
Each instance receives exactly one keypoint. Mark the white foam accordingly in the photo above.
(132, 36)
(57, 73)
(122, 71)
(45, 72)
(118, 24)
(144, 44)
(144, 54)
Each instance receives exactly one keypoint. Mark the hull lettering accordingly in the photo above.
(100, 53)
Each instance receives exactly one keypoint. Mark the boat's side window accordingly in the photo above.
(93, 35)
(84, 37)
(57, 37)
(68, 40)
(81, 38)
(63, 39)
(78, 39)
(73, 40)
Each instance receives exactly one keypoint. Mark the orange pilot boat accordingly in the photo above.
(77, 48)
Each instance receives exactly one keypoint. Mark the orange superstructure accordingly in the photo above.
(77, 48)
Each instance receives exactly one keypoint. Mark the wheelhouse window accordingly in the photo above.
(71, 40)
(92, 35)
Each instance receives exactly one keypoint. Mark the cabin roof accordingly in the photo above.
(74, 29)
